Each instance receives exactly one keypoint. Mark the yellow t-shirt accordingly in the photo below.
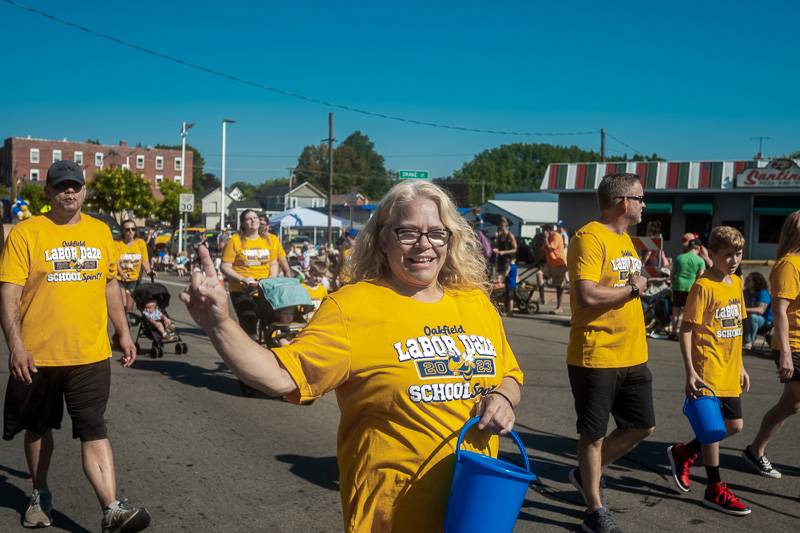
(277, 247)
(63, 270)
(716, 310)
(250, 259)
(610, 337)
(131, 257)
(316, 293)
(785, 283)
(406, 375)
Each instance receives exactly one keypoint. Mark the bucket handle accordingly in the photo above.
(686, 401)
(471, 422)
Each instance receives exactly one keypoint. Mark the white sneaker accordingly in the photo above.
(39, 508)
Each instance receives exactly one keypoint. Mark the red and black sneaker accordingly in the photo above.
(720, 497)
(681, 462)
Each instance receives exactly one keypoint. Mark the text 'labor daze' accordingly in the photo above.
(448, 352)
(73, 261)
(729, 320)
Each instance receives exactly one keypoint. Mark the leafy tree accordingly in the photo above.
(248, 189)
(167, 209)
(33, 193)
(795, 155)
(357, 166)
(520, 167)
(93, 141)
(199, 181)
(118, 189)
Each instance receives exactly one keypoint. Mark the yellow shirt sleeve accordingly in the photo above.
(229, 253)
(696, 305)
(15, 261)
(279, 251)
(319, 358)
(586, 258)
(145, 255)
(785, 281)
(113, 258)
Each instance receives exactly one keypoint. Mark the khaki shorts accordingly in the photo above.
(557, 274)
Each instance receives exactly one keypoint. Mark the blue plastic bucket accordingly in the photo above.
(705, 416)
(486, 493)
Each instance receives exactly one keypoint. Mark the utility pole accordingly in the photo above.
(225, 122)
(483, 191)
(330, 179)
(761, 139)
(289, 194)
(602, 145)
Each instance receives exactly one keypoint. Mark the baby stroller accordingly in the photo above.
(158, 292)
(279, 298)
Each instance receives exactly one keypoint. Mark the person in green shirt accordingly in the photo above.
(686, 268)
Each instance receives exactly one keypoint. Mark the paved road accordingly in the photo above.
(202, 458)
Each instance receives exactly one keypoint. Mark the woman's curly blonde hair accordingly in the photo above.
(464, 267)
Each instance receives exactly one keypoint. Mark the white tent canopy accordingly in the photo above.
(301, 217)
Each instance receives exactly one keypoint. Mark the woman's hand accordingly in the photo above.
(785, 366)
(744, 380)
(205, 298)
(496, 414)
(693, 384)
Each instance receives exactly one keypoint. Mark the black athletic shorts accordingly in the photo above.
(626, 393)
(131, 286)
(679, 298)
(39, 406)
(731, 407)
(776, 356)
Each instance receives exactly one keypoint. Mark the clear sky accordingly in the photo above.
(689, 80)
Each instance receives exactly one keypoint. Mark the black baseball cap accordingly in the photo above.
(62, 171)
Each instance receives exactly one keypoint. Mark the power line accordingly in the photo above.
(392, 156)
(623, 143)
(284, 92)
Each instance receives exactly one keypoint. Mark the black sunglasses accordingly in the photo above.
(639, 199)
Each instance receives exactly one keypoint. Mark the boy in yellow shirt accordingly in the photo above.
(711, 345)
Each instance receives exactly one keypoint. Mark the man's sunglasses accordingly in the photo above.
(639, 199)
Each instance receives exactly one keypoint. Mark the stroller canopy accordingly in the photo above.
(285, 292)
(151, 291)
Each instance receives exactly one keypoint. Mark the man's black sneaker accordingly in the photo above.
(600, 521)
(120, 517)
(761, 464)
(575, 479)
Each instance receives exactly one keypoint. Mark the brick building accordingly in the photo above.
(27, 159)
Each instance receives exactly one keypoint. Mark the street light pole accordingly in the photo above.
(225, 122)
(182, 220)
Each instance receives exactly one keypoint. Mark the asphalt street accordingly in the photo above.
(203, 458)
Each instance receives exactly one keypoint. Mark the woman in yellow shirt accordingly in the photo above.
(247, 258)
(785, 286)
(133, 258)
(412, 348)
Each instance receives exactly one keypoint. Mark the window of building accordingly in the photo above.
(738, 224)
(140, 161)
(178, 179)
(34, 155)
(98, 159)
(655, 221)
(699, 223)
(177, 163)
(78, 158)
(769, 228)
(56, 155)
(159, 162)
(293, 202)
(34, 174)
(159, 179)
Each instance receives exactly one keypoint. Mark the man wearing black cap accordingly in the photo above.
(57, 290)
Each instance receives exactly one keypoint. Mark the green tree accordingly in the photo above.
(33, 193)
(520, 167)
(167, 209)
(118, 189)
(199, 182)
(357, 166)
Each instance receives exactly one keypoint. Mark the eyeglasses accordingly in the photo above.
(409, 236)
(639, 199)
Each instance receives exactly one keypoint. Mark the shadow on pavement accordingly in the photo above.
(321, 471)
(15, 498)
(216, 380)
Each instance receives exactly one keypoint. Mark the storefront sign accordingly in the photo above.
(778, 173)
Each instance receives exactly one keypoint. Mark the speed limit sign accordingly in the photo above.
(186, 202)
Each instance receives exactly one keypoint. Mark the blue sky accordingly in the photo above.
(689, 80)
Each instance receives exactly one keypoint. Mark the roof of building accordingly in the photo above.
(350, 198)
(526, 211)
(527, 196)
(660, 175)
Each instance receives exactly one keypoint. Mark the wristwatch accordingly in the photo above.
(634, 291)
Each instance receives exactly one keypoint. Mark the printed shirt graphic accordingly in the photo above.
(785, 283)
(250, 258)
(407, 375)
(717, 311)
(131, 257)
(63, 270)
(609, 337)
